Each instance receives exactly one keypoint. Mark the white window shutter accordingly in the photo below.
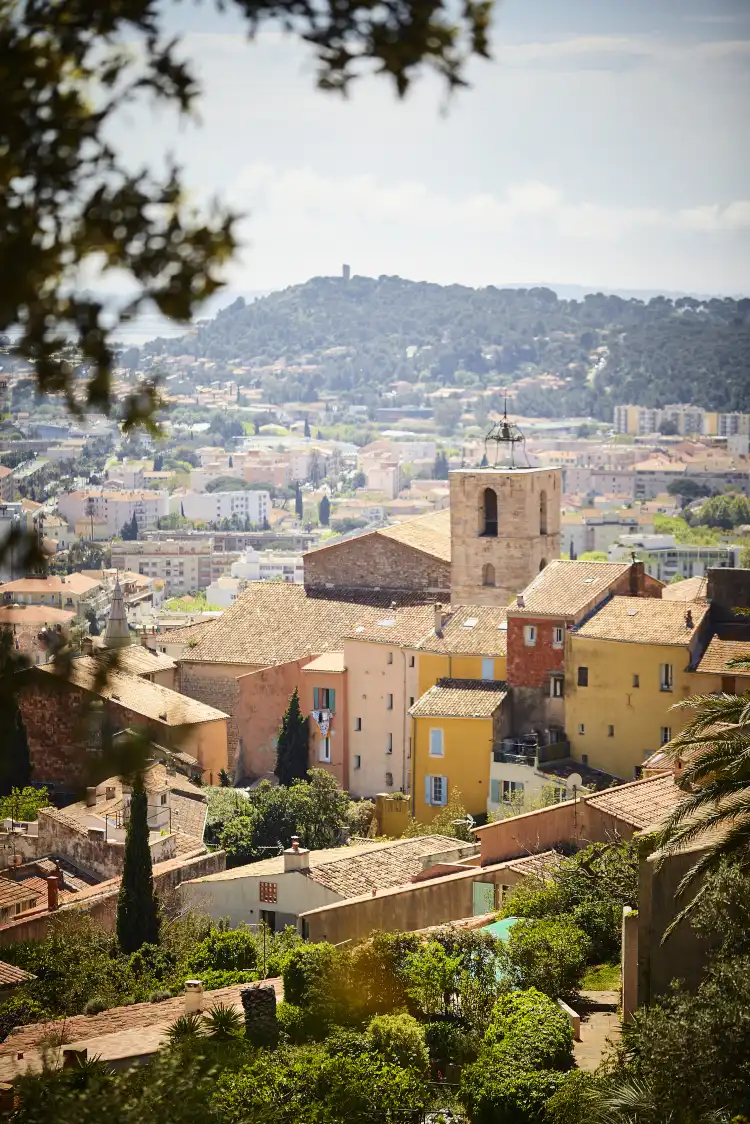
(428, 790)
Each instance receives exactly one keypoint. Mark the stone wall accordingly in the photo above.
(523, 543)
(216, 685)
(100, 902)
(375, 562)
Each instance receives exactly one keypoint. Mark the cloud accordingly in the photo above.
(303, 196)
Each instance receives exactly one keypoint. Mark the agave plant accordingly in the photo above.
(185, 1027)
(714, 753)
(223, 1021)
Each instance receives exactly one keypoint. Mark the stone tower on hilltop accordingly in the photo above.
(505, 528)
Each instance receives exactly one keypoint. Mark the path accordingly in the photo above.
(600, 1026)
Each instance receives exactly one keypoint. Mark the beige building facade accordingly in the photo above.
(505, 528)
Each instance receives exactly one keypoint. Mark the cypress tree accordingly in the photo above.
(324, 511)
(298, 507)
(137, 905)
(291, 748)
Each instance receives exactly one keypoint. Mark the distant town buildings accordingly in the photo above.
(690, 421)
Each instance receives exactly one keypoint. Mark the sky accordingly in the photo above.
(606, 144)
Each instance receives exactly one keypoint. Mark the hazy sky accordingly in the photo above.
(606, 144)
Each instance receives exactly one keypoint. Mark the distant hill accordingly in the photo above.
(356, 337)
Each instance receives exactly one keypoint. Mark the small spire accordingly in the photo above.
(117, 633)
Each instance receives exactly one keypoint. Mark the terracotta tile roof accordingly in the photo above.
(71, 583)
(159, 704)
(10, 975)
(275, 622)
(568, 589)
(328, 662)
(536, 866)
(392, 865)
(429, 533)
(645, 620)
(691, 589)
(137, 660)
(406, 626)
(471, 630)
(36, 616)
(188, 815)
(15, 893)
(120, 1032)
(639, 803)
(460, 698)
(184, 635)
(719, 653)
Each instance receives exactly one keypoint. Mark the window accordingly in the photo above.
(357, 761)
(636, 680)
(556, 685)
(529, 635)
(665, 677)
(488, 574)
(389, 658)
(324, 750)
(436, 790)
(436, 743)
(389, 702)
(511, 789)
(610, 731)
(411, 661)
(558, 637)
(542, 513)
(561, 794)
(490, 513)
(488, 668)
(411, 701)
(583, 677)
(163, 798)
(357, 724)
(389, 780)
(324, 698)
(581, 728)
(389, 743)
(267, 892)
(666, 734)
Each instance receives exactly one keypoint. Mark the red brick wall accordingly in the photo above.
(531, 666)
(262, 698)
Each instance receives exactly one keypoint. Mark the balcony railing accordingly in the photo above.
(531, 749)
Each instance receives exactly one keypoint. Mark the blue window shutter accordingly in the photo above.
(331, 700)
(445, 791)
(428, 790)
(316, 695)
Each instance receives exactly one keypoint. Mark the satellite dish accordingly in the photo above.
(575, 780)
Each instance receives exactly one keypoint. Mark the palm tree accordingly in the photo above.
(713, 754)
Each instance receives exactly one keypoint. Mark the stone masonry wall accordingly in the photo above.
(520, 549)
(375, 562)
(216, 685)
(262, 699)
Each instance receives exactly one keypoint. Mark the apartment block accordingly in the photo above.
(183, 565)
(112, 510)
(212, 507)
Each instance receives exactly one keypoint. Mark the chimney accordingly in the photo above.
(296, 857)
(637, 578)
(59, 876)
(438, 619)
(111, 792)
(193, 996)
(520, 601)
(87, 646)
(91, 797)
(52, 892)
(689, 619)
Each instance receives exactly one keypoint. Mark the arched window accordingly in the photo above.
(488, 574)
(543, 513)
(542, 564)
(490, 513)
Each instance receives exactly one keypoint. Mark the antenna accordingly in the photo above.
(505, 434)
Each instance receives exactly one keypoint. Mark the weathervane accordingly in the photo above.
(504, 433)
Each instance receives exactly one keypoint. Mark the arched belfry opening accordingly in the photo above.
(542, 564)
(488, 574)
(542, 513)
(489, 503)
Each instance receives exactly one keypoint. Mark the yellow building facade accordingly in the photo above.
(455, 725)
(626, 668)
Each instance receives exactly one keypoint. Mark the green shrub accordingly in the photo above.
(399, 1039)
(312, 977)
(448, 1044)
(186, 1027)
(342, 1043)
(20, 1010)
(223, 1021)
(160, 995)
(232, 950)
(575, 1100)
(496, 1091)
(151, 961)
(531, 1031)
(602, 924)
(213, 980)
(548, 954)
(95, 1007)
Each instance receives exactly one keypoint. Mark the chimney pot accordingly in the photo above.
(521, 601)
(52, 892)
(296, 857)
(438, 619)
(91, 797)
(689, 619)
(193, 996)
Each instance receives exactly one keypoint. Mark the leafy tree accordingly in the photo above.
(137, 905)
(158, 462)
(687, 489)
(129, 531)
(324, 511)
(441, 469)
(668, 428)
(400, 1040)
(549, 954)
(496, 1091)
(23, 803)
(726, 512)
(93, 623)
(529, 1027)
(447, 415)
(451, 821)
(432, 978)
(292, 746)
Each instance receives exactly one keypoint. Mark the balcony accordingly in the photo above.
(531, 749)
